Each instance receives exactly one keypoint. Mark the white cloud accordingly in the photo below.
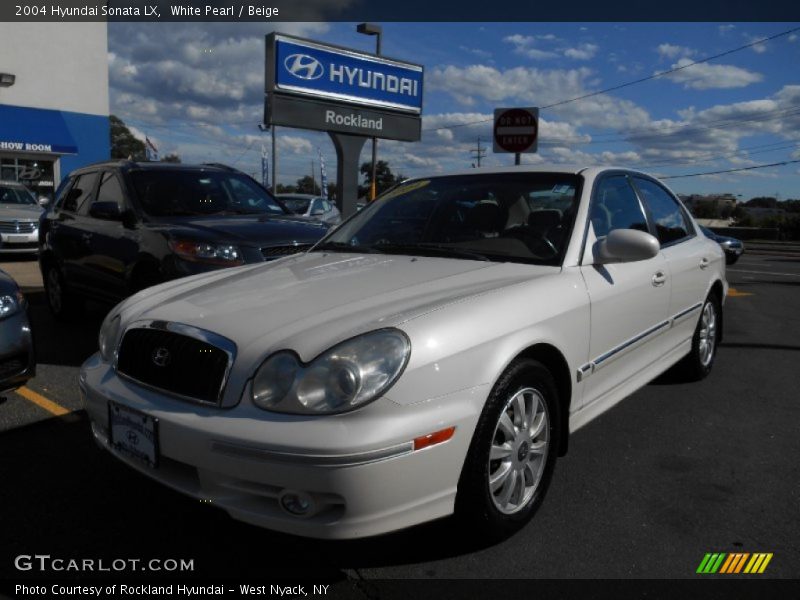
(725, 29)
(673, 51)
(758, 48)
(792, 38)
(525, 45)
(476, 51)
(582, 51)
(705, 76)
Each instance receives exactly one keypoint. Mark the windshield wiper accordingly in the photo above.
(435, 249)
(345, 247)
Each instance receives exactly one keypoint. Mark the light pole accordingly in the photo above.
(376, 30)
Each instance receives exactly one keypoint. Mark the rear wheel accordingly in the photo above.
(513, 453)
(730, 259)
(64, 305)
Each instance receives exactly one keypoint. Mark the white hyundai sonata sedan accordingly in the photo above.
(430, 356)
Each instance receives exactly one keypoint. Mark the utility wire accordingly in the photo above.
(637, 81)
(753, 168)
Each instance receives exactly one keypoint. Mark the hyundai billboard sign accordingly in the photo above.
(322, 71)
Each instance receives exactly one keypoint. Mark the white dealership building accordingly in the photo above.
(53, 100)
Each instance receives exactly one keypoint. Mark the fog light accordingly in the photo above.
(298, 504)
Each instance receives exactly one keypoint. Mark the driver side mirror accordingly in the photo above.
(625, 245)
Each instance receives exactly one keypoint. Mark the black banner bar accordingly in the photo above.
(266, 11)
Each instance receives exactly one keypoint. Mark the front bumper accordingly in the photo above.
(17, 356)
(358, 468)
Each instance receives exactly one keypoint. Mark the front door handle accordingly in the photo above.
(704, 262)
(87, 237)
(659, 278)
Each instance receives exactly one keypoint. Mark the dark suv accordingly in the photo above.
(119, 227)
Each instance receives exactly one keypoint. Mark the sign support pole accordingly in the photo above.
(274, 163)
(516, 158)
(348, 151)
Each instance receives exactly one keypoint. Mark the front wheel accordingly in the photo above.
(513, 452)
(697, 364)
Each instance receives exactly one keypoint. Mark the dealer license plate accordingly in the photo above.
(133, 433)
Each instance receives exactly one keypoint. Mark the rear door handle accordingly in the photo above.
(659, 278)
(704, 262)
(87, 237)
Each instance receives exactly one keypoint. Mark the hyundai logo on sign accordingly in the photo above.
(310, 69)
(303, 66)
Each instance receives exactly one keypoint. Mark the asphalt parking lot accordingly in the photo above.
(673, 472)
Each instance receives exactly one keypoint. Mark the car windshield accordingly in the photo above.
(516, 217)
(296, 205)
(198, 192)
(13, 194)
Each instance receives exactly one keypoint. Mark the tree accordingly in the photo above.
(762, 202)
(123, 143)
(306, 185)
(384, 178)
(285, 189)
(171, 158)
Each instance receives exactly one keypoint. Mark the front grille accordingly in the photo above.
(19, 246)
(273, 252)
(18, 226)
(173, 362)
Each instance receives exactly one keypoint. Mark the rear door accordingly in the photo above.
(70, 238)
(687, 253)
(629, 301)
(114, 248)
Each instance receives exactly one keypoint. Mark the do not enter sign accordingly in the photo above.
(516, 129)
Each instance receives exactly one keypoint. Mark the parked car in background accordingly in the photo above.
(312, 206)
(732, 247)
(431, 355)
(119, 227)
(17, 358)
(19, 219)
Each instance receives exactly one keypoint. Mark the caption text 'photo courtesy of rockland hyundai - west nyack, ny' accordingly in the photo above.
(327, 299)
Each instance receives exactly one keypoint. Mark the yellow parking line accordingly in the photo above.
(42, 402)
(734, 293)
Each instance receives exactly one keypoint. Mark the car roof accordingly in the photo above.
(560, 168)
(130, 165)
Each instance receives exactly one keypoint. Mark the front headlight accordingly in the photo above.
(216, 254)
(11, 303)
(109, 338)
(346, 377)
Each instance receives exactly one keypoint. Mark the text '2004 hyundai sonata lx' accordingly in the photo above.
(430, 356)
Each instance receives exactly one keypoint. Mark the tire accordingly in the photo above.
(698, 363)
(64, 305)
(497, 497)
(730, 259)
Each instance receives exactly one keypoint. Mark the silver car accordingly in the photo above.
(19, 219)
(310, 205)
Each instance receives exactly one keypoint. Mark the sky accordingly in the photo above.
(197, 89)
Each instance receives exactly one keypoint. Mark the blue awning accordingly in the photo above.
(34, 130)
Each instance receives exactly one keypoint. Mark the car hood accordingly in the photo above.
(23, 212)
(311, 301)
(249, 230)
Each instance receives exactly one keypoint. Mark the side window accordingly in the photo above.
(615, 206)
(62, 191)
(79, 192)
(317, 208)
(670, 221)
(111, 190)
